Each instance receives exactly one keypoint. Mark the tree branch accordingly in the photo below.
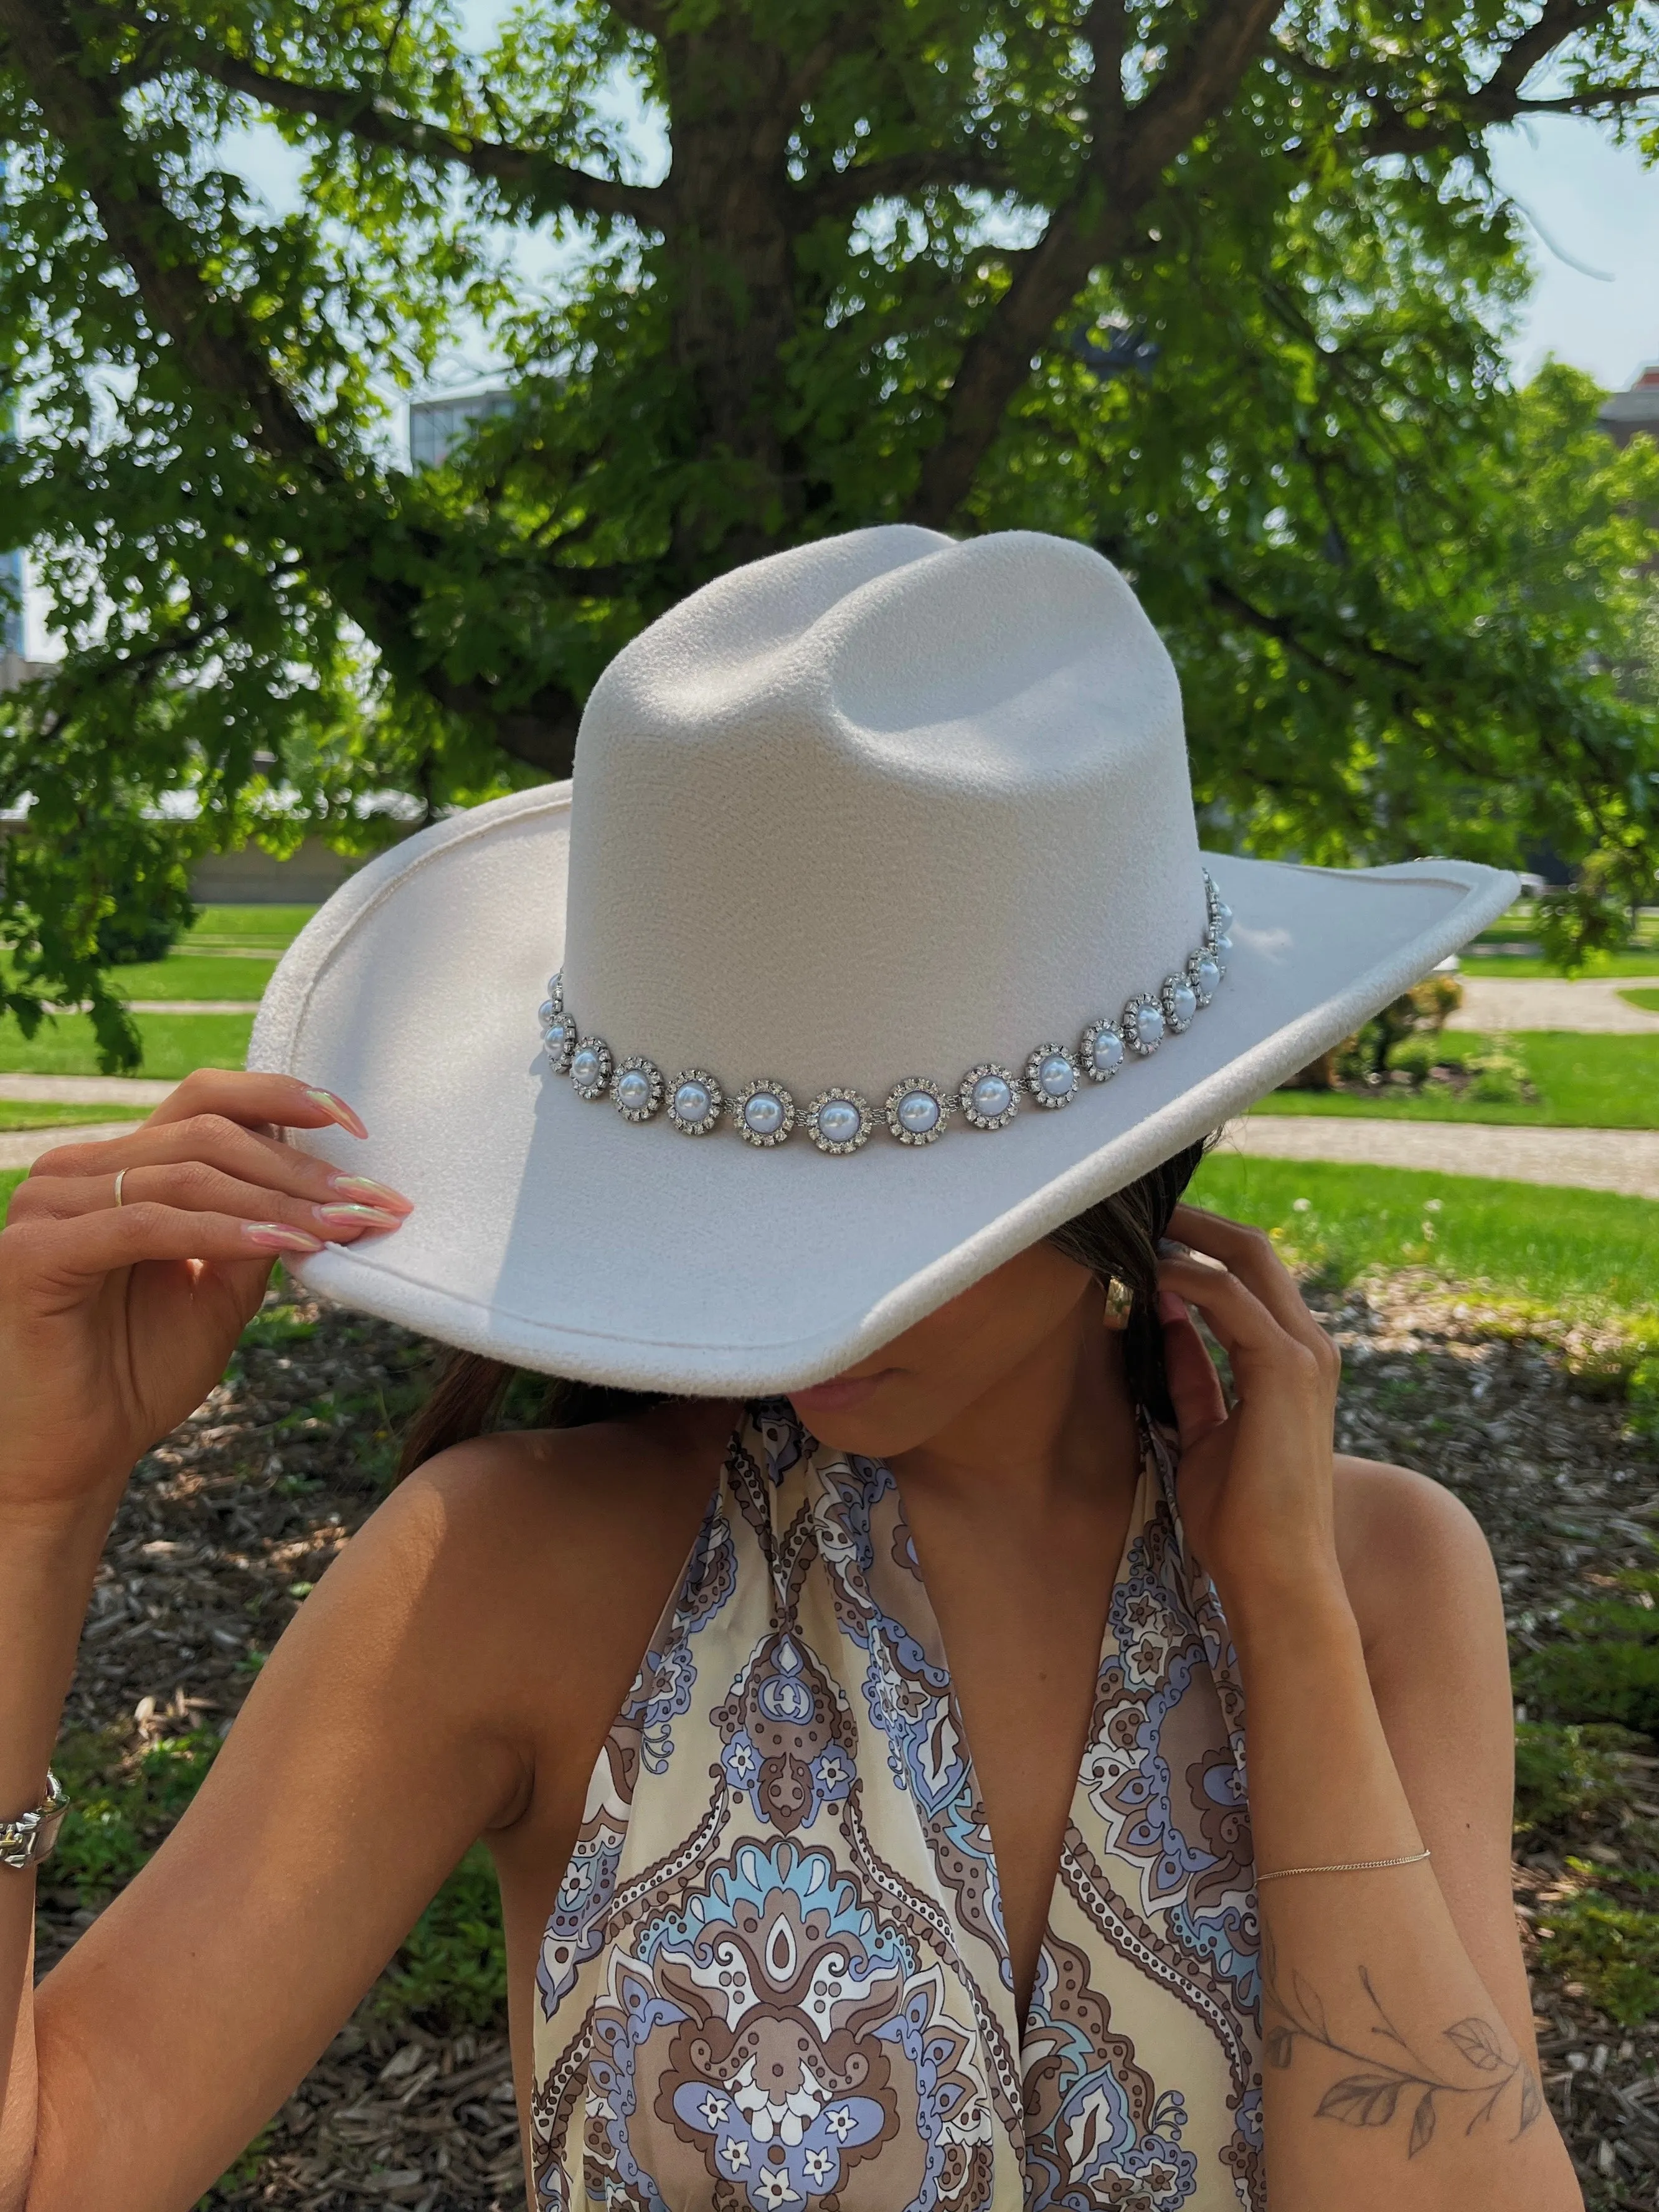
(1096, 220)
(223, 358)
(1425, 130)
(550, 186)
(1195, 87)
(840, 193)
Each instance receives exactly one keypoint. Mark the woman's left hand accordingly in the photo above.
(1255, 1483)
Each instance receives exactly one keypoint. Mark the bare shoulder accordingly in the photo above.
(1417, 1568)
(517, 1575)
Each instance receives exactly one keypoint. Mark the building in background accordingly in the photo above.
(1627, 414)
(436, 427)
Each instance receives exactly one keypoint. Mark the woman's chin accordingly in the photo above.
(846, 1411)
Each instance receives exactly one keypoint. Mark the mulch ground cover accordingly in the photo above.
(228, 1522)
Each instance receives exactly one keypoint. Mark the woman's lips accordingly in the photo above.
(840, 1394)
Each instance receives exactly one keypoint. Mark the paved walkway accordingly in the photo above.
(1594, 1005)
(88, 1090)
(1625, 1160)
(21, 1148)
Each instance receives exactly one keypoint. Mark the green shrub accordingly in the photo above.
(451, 1971)
(1414, 1057)
(1498, 1078)
(1607, 1666)
(125, 1804)
(1564, 1777)
(1610, 1947)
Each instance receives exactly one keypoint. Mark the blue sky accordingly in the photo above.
(1594, 212)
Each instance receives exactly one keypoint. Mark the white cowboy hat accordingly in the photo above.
(887, 816)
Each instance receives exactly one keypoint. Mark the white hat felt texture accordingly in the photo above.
(882, 809)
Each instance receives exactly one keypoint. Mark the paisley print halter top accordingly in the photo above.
(775, 1979)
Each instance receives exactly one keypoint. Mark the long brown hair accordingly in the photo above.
(1116, 1238)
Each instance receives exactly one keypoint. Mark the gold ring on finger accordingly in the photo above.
(120, 1177)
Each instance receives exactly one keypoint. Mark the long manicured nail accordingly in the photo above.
(358, 1217)
(277, 1236)
(337, 1110)
(372, 1193)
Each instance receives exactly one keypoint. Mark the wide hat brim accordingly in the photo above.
(550, 1233)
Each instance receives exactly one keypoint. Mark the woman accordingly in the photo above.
(847, 1408)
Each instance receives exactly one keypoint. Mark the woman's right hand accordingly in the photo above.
(116, 1322)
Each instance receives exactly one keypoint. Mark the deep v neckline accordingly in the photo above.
(923, 1626)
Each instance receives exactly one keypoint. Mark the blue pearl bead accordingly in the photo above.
(764, 1114)
(992, 1098)
(918, 1112)
(1224, 915)
(1057, 1076)
(1206, 975)
(839, 1121)
(1149, 1026)
(634, 1090)
(1223, 947)
(546, 1011)
(1183, 1004)
(585, 1068)
(692, 1103)
(1107, 1052)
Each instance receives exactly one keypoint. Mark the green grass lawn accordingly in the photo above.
(1583, 1082)
(1519, 927)
(174, 1045)
(241, 929)
(1573, 1249)
(43, 1113)
(1519, 966)
(1647, 1000)
(189, 975)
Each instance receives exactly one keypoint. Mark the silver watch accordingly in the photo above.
(30, 1838)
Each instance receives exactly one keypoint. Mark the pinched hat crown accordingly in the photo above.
(877, 817)
(883, 805)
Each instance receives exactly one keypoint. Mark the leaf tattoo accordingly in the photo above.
(1476, 2039)
(1383, 2088)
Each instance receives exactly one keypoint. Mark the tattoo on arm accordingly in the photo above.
(1392, 2078)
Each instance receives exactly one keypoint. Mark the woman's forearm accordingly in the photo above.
(1391, 2079)
(46, 1569)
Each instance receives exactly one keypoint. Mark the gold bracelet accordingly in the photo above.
(1344, 1866)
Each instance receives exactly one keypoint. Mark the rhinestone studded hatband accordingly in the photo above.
(917, 1111)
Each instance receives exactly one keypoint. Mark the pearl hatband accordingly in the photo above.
(917, 1111)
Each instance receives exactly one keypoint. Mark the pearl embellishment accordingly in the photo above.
(917, 1111)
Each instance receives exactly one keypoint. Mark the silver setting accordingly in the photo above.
(1148, 1019)
(916, 1087)
(1179, 1001)
(590, 1077)
(632, 1103)
(839, 1103)
(1046, 1056)
(700, 1079)
(762, 1087)
(559, 1042)
(974, 1112)
(1143, 1020)
(1102, 1051)
(1204, 974)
